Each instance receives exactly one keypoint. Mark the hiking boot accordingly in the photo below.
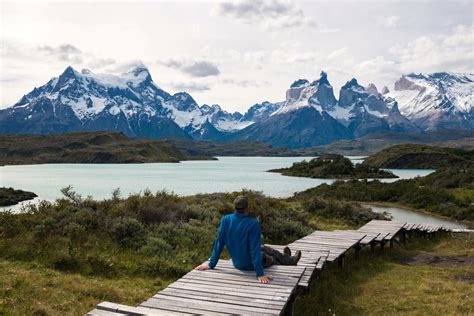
(296, 257)
(287, 251)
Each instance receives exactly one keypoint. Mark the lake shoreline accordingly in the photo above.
(417, 211)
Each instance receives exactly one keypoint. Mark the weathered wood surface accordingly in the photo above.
(389, 228)
(312, 260)
(228, 291)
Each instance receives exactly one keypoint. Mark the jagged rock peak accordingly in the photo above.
(69, 72)
(385, 90)
(323, 79)
(351, 83)
(372, 89)
(299, 83)
(404, 84)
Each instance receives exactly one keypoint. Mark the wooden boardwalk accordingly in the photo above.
(225, 290)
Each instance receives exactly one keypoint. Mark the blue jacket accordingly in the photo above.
(240, 233)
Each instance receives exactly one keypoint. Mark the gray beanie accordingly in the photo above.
(241, 203)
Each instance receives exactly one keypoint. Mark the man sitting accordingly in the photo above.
(240, 233)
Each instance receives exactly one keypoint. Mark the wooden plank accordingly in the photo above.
(218, 305)
(180, 309)
(238, 290)
(211, 290)
(227, 283)
(228, 279)
(274, 272)
(276, 267)
(225, 298)
(249, 286)
(99, 312)
(128, 310)
(208, 306)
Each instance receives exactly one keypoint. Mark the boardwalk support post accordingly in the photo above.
(289, 306)
(357, 250)
(340, 261)
(403, 238)
(372, 247)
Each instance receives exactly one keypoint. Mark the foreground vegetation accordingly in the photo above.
(447, 192)
(413, 156)
(139, 243)
(333, 166)
(95, 147)
(428, 277)
(10, 196)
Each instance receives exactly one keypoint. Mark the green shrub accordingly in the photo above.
(129, 233)
(351, 212)
(156, 246)
(164, 268)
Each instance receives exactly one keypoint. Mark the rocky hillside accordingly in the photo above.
(104, 147)
(416, 156)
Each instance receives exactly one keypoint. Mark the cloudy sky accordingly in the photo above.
(233, 53)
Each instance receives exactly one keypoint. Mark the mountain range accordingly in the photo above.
(310, 115)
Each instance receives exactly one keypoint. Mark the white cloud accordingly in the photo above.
(188, 86)
(199, 68)
(270, 14)
(245, 83)
(63, 52)
(377, 69)
(452, 52)
(389, 21)
(426, 54)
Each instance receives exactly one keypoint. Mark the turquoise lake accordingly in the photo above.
(185, 178)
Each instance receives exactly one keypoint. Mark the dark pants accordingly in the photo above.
(271, 256)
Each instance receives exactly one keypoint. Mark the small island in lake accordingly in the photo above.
(10, 196)
(333, 166)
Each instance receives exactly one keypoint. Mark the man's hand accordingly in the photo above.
(203, 266)
(265, 279)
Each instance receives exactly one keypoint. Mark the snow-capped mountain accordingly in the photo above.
(261, 111)
(131, 103)
(302, 120)
(438, 100)
(318, 94)
(365, 111)
(310, 115)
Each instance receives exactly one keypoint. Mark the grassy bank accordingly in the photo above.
(448, 192)
(425, 278)
(416, 156)
(87, 147)
(28, 288)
